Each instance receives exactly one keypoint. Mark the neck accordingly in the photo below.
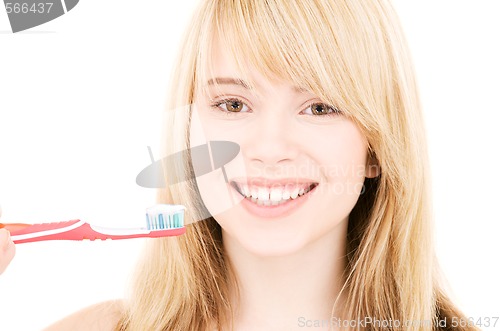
(282, 292)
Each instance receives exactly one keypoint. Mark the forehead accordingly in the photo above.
(225, 69)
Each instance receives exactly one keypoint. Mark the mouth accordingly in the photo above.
(273, 200)
(273, 196)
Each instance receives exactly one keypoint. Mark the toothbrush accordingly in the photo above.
(161, 221)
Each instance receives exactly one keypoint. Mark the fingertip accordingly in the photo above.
(5, 237)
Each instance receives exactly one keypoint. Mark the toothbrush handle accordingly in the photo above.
(80, 230)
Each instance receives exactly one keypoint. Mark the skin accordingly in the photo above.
(103, 316)
(288, 267)
(7, 248)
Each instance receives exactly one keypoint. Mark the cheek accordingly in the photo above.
(205, 126)
(341, 155)
(342, 165)
(215, 192)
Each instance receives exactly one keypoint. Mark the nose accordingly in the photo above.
(271, 140)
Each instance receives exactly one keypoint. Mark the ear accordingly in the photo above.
(372, 166)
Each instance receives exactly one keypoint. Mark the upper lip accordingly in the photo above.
(268, 182)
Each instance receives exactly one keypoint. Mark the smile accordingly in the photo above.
(275, 201)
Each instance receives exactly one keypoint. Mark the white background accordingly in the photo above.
(80, 101)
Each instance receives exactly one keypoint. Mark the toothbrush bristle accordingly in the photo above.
(162, 217)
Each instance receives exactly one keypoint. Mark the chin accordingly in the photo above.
(268, 244)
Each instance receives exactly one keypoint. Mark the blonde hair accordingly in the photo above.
(350, 53)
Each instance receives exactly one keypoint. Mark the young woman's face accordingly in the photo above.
(290, 143)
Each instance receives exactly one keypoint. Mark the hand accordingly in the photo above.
(7, 248)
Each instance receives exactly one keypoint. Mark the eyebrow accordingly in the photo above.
(228, 81)
(242, 83)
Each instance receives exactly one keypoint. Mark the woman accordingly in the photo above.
(332, 228)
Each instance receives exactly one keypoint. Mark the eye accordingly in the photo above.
(321, 109)
(231, 106)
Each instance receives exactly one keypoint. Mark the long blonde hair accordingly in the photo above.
(348, 52)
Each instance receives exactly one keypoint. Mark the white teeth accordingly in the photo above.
(263, 202)
(276, 194)
(263, 194)
(245, 190)
(270, 197)
(267, 203)
(286, 195)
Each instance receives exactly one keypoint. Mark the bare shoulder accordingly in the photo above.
(102, 316)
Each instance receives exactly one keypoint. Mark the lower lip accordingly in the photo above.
(281, 210)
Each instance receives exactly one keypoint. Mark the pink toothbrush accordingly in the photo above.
(161, 221)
